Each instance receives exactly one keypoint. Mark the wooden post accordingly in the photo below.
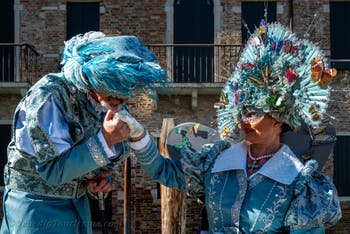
(173, 201)
(127, 183)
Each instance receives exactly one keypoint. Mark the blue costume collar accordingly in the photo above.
(283, 167)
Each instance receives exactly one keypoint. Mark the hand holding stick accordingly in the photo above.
(101, 186)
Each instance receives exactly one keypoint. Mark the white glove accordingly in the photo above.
(136, 129)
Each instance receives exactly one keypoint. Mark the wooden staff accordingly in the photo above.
(101, 206)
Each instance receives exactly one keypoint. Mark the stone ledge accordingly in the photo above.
(189, 88)
(14, 87)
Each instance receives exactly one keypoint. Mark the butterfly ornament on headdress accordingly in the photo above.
(288, 47)
(319, 74)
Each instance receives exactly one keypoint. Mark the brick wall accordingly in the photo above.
(43, 24)
(8, 105)
(146, 19)
(339, 105)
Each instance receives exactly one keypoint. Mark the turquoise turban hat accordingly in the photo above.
(117, 66)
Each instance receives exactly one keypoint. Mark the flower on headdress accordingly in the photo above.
(290, 74)
(280, 101)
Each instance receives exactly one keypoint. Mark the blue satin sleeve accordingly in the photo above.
(160, 169)
(315, 205)
(188, 172)
(197, 164)
(79, 160)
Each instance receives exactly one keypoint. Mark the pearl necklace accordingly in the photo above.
(258, 158)
(255, 165)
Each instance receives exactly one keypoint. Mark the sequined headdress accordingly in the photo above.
(115, 66)
(277, 74)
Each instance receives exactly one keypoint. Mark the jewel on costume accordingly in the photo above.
(253, 166)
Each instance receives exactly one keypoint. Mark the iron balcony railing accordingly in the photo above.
(18, 62)
(197, 63)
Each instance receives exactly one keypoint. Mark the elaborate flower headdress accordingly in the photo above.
(115, 66)
(277, 74)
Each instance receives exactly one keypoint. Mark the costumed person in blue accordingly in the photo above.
(66, 137)
(259, 185)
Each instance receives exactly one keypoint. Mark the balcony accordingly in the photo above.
(196, 68)
(18, 67)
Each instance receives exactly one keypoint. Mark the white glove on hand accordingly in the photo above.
(136, 129)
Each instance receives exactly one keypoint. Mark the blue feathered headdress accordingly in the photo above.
(277, 74)
(117, 66)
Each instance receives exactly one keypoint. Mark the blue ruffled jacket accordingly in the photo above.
(283, 196)
(51, 159)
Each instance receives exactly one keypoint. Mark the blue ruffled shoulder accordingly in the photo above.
(316, 203)
(196, 164)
